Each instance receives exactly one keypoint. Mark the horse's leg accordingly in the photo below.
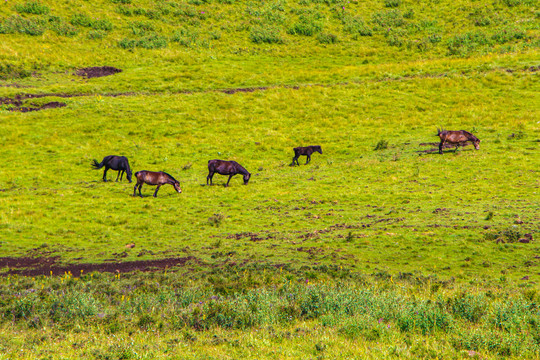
(118, 175)
(209, 177)
(105, 174)
(308, 159)
(440, 147)
(155, 194)
(135, 189)
(230, 176)
(121, 174)
(140, 186)
(456, 148)
(293, 161)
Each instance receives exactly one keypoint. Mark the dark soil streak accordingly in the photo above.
(436, 149)
(98, 71)
(44, 266)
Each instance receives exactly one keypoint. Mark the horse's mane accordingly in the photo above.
(470, 135)
(241, 169)
(169, 175)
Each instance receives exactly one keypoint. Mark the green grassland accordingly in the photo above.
(379, 248)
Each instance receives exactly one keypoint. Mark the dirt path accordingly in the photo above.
(49, 265)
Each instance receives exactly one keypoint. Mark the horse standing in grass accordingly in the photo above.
(223, 167)
(119, 163)
(154, 178)
(307, 151)
(457, 138)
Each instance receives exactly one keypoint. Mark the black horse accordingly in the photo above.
(154, 178)
(307, 151)
(119, 163)
(223, 167)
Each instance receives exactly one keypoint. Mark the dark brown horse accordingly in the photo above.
(154, 178)
(307, 151)
(223, 167)
(119, 163)
(457, 138)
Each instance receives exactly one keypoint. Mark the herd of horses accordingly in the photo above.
(231, 168)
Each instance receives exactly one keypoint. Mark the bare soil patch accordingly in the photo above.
(46, 265)
(97, 71)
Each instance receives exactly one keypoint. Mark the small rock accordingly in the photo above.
(524, 241)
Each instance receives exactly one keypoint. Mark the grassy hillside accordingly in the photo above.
(379, 248)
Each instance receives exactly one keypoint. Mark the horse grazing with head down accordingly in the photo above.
(307, 151)
(119, 163)
(154, 178)
(223, 167)
(457, 138)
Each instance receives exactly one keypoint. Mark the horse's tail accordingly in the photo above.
(97, 165)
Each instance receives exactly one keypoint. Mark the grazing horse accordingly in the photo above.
(223, 167)
(154, 178)
(307, 151)
(119, 163)
(456, 137)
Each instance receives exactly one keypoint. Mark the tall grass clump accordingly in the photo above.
(266, 34)
(388, 19)
(471, 307)
(355, 26)
(392, 3)
(32, 7)
(326, 38)
(11, 71)
(306, 26)
(17, 24)
(153, 41)
(84, 20)
(424, 316)
(61, 27)
(185, 37)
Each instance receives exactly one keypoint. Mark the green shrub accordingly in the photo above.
(306, 25)
(392, 3)
(32, 7)
(96, 24)
(105, 25)
(485, 339)
(96, 34)
(327, 38)
(185, 37)
(508, 34)
(16, 24)
(463, 44)
(424, 316)
(62, 28)
(81, 20)
(266, 34)
(396, 37)
(186, 10)
(388, 19)
(10, 71)
(75, 305)
(356, 26)
(381, 145)
(470, 307)
(141, 28)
